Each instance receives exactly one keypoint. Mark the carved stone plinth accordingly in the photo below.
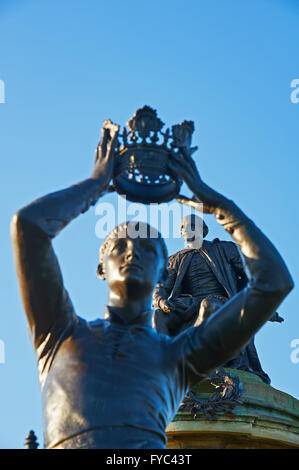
(267, 419)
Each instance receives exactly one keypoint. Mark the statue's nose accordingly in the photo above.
(132, 254)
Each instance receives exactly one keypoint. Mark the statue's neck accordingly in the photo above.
(129, 311)
(123, 317)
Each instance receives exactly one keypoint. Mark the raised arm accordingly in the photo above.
(46, 302)
(223, 335)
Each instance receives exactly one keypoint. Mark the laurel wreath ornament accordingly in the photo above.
(229, 393)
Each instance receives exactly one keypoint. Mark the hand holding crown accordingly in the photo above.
(148, 165)
(205, 198)
(105, 153)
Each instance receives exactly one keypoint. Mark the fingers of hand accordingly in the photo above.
(113, 136)
(102, 146)
(188, 202)
(109, 135)
(186, 153)
(113, 128)
(198, 206)
(177, 159)
(167, 306)
(185, 168)
(179, 169)
(207, 209)
(96, 154)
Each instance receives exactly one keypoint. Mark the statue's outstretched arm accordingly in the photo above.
(44, 297)
(222, 335)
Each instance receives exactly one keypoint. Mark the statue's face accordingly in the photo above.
(191, 229)
(133, 266)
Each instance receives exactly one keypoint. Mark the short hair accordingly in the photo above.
(205, 228)
(146, 229)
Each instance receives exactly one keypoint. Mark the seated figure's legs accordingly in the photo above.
(248, 358)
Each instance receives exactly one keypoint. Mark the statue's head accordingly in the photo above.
(193, 228)
(133, 259)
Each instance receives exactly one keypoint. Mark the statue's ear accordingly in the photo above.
(100, 271)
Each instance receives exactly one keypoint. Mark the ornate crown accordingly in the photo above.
(141, 170)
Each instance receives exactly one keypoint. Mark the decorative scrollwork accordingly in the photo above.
(229, 393)
(144, 122)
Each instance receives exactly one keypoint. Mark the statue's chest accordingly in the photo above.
(114, 347)
(198, 276)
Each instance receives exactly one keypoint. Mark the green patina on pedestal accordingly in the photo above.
(267, 419)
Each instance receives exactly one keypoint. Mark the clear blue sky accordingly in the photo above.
(67, 65)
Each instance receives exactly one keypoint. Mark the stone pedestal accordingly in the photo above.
(267, 419)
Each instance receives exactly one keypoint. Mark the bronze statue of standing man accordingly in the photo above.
(117, 383)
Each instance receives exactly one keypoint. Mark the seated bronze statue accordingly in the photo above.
(203, 268)
(201, 278)
(117, 383)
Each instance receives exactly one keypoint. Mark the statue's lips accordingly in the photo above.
(188, 238)
(131, 267)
